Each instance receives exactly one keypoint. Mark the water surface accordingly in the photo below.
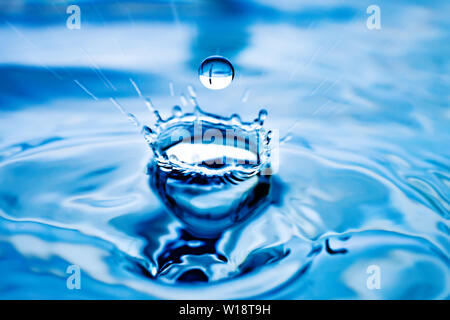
(364, 165)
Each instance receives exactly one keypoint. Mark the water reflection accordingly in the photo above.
(364, 162)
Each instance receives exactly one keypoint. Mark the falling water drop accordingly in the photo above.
(216, 72)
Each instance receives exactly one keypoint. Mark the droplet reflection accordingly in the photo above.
(216, 72)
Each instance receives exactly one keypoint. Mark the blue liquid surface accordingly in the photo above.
(364, 165)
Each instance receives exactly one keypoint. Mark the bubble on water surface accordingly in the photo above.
(216, 72)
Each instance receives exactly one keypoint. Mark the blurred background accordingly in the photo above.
(363, 113)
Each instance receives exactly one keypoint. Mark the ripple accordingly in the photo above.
(364, 171)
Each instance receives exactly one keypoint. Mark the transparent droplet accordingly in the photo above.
(197, 111)
(172, 91)
(192, 91)
(176, 111)
(235, 119)
(269, 136)
(216, 72)
(149, 134)
(262, 115)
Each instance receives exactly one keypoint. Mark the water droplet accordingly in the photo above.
(172, 91)
(131, 117)
(286, 138)
(151, 108)
(183, 100)
(216, 72)
(197, 111)
(245, 96)
(262, 115)
(192, 95)
(235, 119)
(192, 91)
(176, 110)
(269, 136)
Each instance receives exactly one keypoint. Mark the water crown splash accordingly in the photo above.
(210, 171)
(216, 72)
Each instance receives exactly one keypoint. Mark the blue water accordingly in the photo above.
(364, 175)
